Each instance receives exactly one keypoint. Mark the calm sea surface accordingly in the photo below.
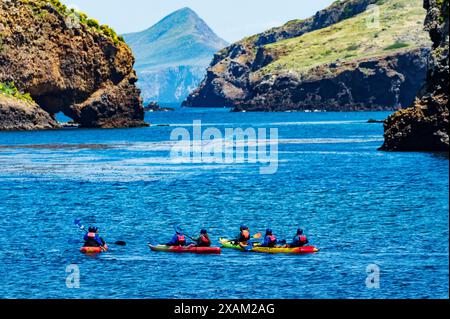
(361, 206)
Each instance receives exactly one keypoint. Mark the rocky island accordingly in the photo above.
(424, 126)
(354, 55)
(54, 59)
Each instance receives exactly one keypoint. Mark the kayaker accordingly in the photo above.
(177, 240)
(203, 240)
(270, 240)
(300, 240)
(93, 239)
(244, 235)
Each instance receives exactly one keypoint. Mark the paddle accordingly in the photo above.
(81, 227)
(179, 230)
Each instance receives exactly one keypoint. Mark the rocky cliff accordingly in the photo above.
(424, 126)
(67, 63)
(354, 55)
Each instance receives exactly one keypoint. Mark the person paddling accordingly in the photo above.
(93, 239)
(244, 236)
(203, 240)
(178, 239)
(270, 240)
(300, 239)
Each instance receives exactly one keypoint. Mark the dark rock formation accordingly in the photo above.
(16, 114)
(155, 107)
(369, 84)
(424, 126)
(68, 64)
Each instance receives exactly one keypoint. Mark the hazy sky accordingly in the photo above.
(230, 19)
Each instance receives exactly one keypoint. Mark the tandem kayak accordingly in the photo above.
(275, 250)
(93, 250)
(185, 249)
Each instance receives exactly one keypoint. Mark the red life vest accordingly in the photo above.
(272, 238)
(302, 238)
(92, 235)
(245, 234)
(181, 239)
(205, 239)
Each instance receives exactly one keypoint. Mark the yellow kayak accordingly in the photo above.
(267, 250)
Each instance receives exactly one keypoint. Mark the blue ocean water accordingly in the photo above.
(361, 206)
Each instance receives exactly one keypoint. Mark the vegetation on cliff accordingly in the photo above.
(9, 89)
(79, 17)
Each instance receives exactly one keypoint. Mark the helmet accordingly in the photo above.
(93, 229)
(269, 231)
(299, 231)
(243, 227)
(203, 232)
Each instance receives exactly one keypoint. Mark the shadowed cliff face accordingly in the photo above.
(352, 68)
(424, 126)
(68, 66)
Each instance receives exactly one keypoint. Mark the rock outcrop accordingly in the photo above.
(424, 126)
(374, 84)
(17, 114)
(333, 61)
(67, 63)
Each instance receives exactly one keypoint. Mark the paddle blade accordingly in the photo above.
(257, 236)
(120, 243)
(77, 222)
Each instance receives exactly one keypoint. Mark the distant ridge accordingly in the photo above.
(172, 55)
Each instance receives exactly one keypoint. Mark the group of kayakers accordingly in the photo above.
(244, 239)
(270, 240)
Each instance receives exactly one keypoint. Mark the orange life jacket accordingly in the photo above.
(245, 234)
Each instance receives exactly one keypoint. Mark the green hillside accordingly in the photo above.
(400, 27)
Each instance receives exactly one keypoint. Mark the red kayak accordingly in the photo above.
(186, 249)
(93, 250)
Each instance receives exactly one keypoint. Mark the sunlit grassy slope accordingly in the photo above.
(399, 27)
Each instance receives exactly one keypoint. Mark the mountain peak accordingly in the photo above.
(180, 34)
(185, 10)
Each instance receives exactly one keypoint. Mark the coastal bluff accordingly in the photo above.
(54, 59)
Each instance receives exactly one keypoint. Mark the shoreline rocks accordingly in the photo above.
(424, 126)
